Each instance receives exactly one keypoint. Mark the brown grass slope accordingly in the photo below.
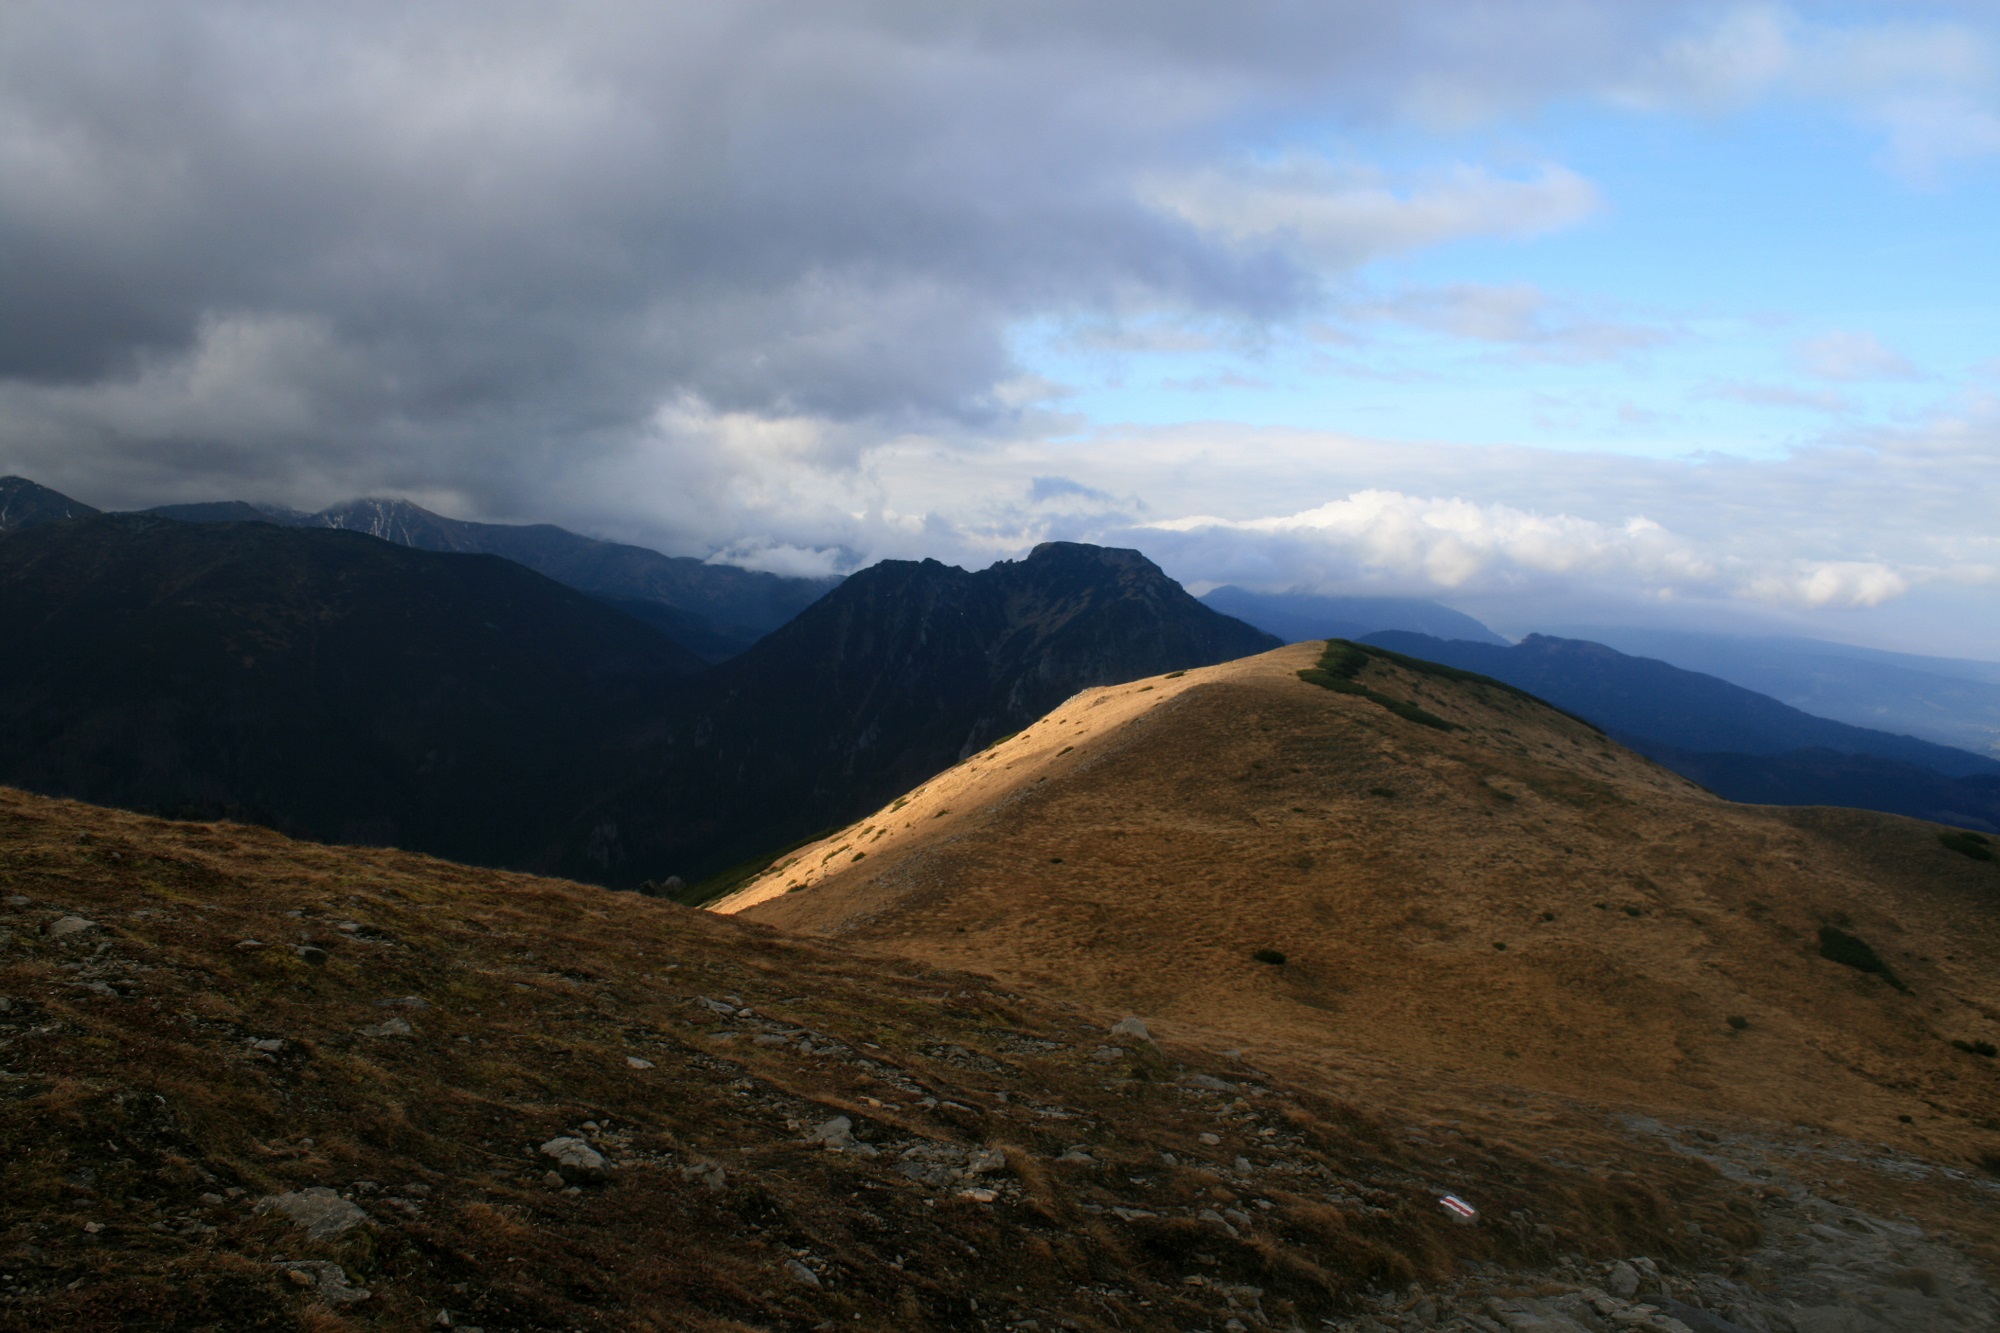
(1515, 899)
(409, 1033)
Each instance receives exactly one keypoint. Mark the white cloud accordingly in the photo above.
(1520, 316)
(1343, 217)
(1458, 545)
(1848, 355)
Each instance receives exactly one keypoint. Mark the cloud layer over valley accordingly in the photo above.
(1442, 298)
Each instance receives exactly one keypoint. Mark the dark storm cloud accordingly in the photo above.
(298, 251)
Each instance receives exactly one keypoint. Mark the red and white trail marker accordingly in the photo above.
(1459, 1208)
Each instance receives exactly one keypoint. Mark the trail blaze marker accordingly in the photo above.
(1459, 1208)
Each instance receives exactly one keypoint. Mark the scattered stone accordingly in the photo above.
(1210, 1140)
(978, 1194)
(19, 900)
(1131, 1027)
(553, 1179)
(1106, 1054)
(323, 1213)
(64, 927)
(404, 1002)
(635, 1062)
(576, 1159)
(389, 1027)
(985, 1162)
(251, 946)
(267, 1045)
(836, 1134)
(312, 955)
(1207, 1081)
(1078, 1156)
(802, 1274)
(1623, 1282)
(330, 1279)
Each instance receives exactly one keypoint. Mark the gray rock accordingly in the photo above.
(404, 1002)
(1106, 1054)
(65, 927)
(1131, 1027)
(1077, 1155)
(323, 1213)
(1697, 1319)
(1832, 1319)
(329, 1279)
(803, 1274)
(388, 1027)
(836, 1133)
(985, 1162)
(576, 1159)
(1207, 1081)
(19, 900)
(267, 1045)
(312, 954)
(1623, 1282)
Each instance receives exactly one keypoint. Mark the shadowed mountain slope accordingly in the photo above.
(1474, 883)
(1295, 616)
(714, 610)
(901, 671)
(25, 504)
(325, 682)
(355, 690)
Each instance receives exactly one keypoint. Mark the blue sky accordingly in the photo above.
(1555, 310)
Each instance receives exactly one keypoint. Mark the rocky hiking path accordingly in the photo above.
(1824, 1265)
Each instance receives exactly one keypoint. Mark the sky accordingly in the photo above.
(1558, 311)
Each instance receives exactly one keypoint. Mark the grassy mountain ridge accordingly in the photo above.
(1513, 895)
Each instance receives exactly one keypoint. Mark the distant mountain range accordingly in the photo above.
(1949, 700)
(1297, 616)
(1736, 742)
(714, 610)
(356, 690)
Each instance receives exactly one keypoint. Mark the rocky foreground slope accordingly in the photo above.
(251, 1083)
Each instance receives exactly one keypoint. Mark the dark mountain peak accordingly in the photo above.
(233, 511)
(28, 504)
(1296, 616)
(1115, 557)
(1550, 645)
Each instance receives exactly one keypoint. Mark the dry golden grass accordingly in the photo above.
(1517, 903)
(139, 1122)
